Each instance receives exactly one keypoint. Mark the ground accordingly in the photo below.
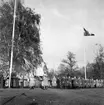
(60, 96)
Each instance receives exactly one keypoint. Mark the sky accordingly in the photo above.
(62, 23)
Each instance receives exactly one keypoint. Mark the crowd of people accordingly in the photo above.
(70, 83)
(56, 82)
(67, 83)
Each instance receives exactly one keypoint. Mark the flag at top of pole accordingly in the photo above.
(86, 33)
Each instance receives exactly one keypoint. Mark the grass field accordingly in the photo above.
(60, 96)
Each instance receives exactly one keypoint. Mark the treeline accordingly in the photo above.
(94, 70)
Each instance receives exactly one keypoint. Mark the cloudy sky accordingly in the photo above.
(62, 23)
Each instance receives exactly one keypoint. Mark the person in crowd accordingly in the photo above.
(50, 82)
(54, 82)
(58, 82)
(45, 83)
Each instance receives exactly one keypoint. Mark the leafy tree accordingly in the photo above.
(89, 70)
(63, 71)
(27, 35)
(51, 74)
(98, 65)
(45, 68)
(70, 63)
(95, 70)
(4, 69)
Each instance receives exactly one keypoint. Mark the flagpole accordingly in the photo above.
(13, 32)
(85, 63)
(86, 33)
(85, 74)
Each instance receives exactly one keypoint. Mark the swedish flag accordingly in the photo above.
(86, 33)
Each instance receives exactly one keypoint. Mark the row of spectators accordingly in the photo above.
(68, 83)
(56, 82)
